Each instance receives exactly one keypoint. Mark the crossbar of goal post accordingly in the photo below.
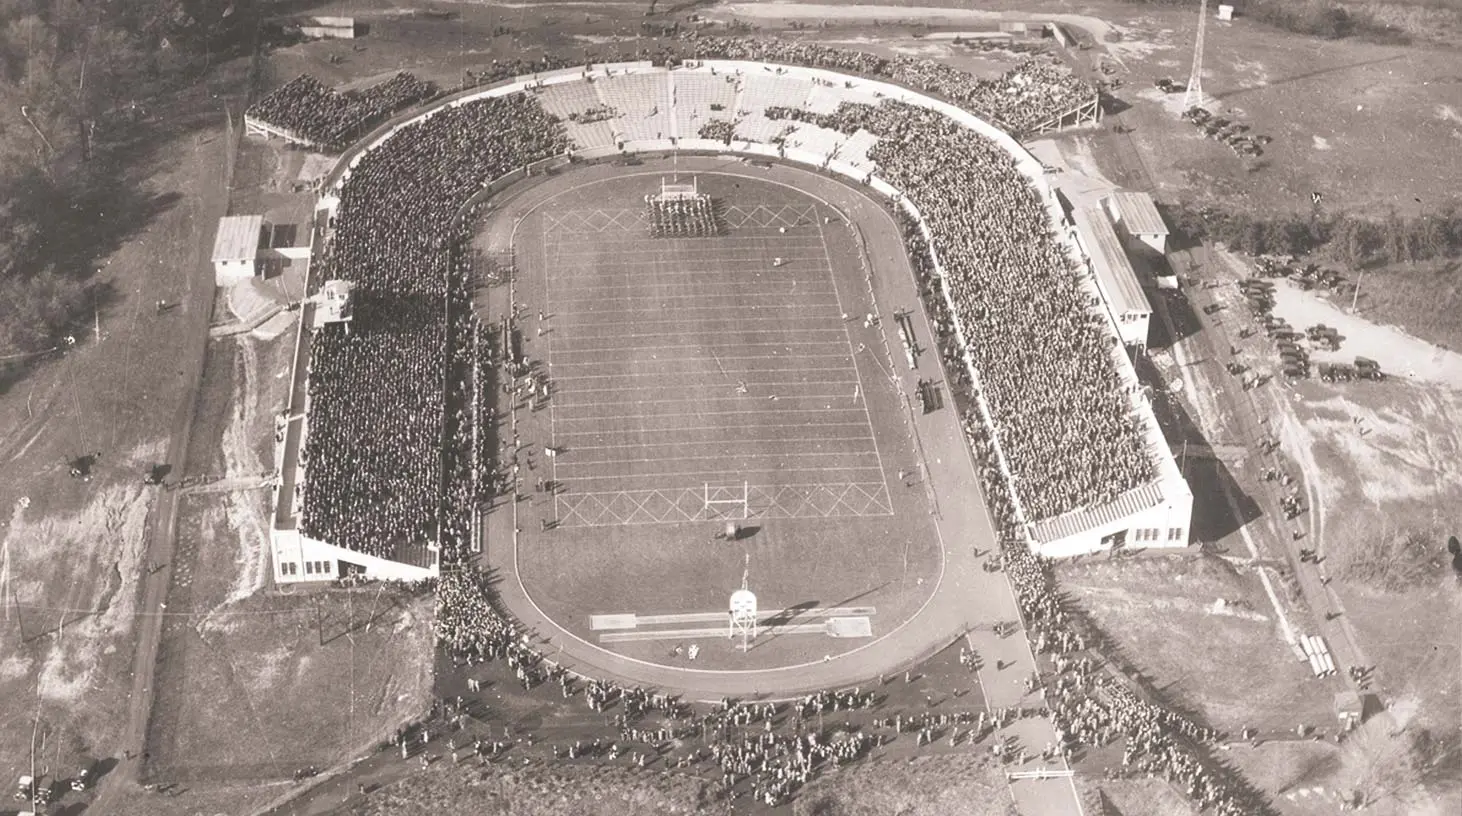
(672, 190)
(722, 498)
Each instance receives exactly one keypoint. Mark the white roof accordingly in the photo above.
(1114, 272)
(238, 238)
(1138, 214)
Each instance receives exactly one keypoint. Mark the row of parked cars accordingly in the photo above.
(1234, 134)
(1294, 346)
(30, 790)
(1307, 276)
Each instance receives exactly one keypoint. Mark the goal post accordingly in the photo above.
(727, 502)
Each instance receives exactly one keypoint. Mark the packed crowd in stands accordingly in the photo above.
(330, 119)
(1037, 92)
(394, 404)
(389, 400)
(718, 130)
(1068, 435)
(693, 217)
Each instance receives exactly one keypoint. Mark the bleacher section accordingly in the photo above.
(572, 99)
(643, 102)
(767, 90)
(695, 92)
(855, 150)
(819, 140)
(827, 98)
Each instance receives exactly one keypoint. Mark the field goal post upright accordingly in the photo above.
(743, 610)
(734, 499)
(678, 190)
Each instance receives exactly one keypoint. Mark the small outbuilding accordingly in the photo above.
(1136, 215)
(236, 248)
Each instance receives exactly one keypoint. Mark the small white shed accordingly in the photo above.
(236, 248)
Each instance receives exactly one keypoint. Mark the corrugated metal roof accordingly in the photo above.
(1114, 271)
(1089, 518)
(238, 238)
(1138, 214)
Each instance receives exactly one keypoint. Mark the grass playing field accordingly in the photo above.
(696, 380)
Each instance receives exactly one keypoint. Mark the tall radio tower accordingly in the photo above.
(1194, 97)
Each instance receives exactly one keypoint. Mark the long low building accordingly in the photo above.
(644, 119)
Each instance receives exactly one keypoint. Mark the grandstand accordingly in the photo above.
(699, 97)
(1137, 498)
(642, 101)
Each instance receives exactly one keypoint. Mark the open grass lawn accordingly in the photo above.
(1232, 667)
(279, 682)
(1132, 797)
(927, 786)
(536, 791)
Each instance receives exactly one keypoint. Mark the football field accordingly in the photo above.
(695, 381)
(694, 378)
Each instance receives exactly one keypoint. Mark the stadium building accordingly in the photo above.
(654, 109)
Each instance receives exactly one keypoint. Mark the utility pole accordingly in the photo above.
(1355, 296)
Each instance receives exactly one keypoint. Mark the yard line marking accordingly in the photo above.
(665, 296)
(773, 454)
(799, 398)
(740, 325)
(861, 390)
(701, 358)
(669, 346)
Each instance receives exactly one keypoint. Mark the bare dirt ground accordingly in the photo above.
(1400, 354)
(1204, 636)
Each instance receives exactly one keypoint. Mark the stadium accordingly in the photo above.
(497, 402)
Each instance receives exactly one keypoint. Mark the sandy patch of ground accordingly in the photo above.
(103, 547)
(1321, 143)
(1400, 354)
(1402, 455)
(244, 513)
(1122, 43)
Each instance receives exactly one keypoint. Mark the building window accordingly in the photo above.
(309, 568)
(1175, 534)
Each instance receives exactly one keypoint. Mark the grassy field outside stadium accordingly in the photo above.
(682, 366)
